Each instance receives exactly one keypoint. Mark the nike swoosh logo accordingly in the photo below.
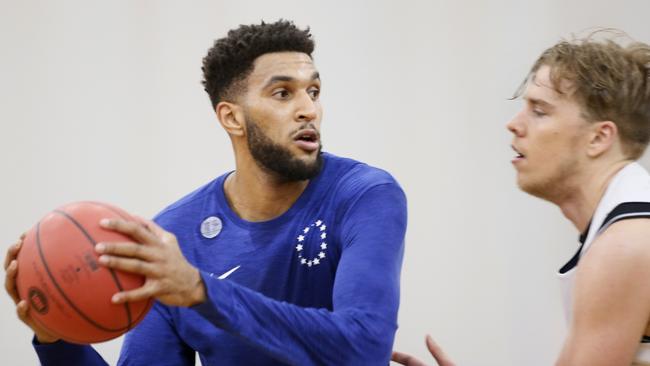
(228, 273)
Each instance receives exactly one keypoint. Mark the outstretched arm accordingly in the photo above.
(360, 328)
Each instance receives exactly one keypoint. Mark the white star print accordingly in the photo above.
(303, 241)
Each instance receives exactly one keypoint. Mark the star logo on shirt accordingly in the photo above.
(307, 258)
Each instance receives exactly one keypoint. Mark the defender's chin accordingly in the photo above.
(535, 189)
(524, 184)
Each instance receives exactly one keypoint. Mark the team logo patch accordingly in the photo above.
(211, 227)
(317, 233)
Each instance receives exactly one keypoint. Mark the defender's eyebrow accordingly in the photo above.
(284, 78)
(539, 102)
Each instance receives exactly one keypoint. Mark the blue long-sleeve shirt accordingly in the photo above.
(318, 285)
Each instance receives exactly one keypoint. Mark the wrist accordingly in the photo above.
(197, 294)
(43, 339)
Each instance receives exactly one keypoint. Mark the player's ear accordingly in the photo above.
(231, 117)
(603, 136)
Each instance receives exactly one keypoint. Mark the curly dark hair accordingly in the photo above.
(230, 60)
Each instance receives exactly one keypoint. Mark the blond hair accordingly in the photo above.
(611, 81)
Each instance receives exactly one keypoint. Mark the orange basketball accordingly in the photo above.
(69, 292)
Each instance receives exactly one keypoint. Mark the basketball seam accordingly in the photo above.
(127, 308)
(70, 339)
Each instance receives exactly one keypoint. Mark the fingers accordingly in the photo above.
(131, 228)
(157, 230)
(399, 357)
(132, 265)
(10, 281)
(141, 293)
(406, 359)
(12, 252)
(126, 249)
(153, 227)
(438, 353)
(22, 310)
(42, 335)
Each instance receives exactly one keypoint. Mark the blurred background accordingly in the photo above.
(101, 100)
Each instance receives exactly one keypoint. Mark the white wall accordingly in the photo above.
(101, 100)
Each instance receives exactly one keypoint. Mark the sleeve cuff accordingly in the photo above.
(217, 307)
(64, 353)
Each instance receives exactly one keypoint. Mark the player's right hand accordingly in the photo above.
(22, 306)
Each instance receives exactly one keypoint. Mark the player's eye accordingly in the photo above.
(281, 94)
(314, 93)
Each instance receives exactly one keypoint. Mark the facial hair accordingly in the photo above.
(556, 187)
(277, 159)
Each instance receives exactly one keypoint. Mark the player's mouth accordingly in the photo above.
(307, 139)
(519, 157)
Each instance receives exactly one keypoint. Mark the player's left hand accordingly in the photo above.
(155, 254)
(408, 360)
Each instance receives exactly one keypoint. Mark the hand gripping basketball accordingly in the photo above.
(57, 273)
(155, 254)
(22, 306)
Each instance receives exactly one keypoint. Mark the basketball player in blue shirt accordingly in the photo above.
(585, 122)
(293, 258)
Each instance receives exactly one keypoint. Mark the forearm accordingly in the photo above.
(296, 335)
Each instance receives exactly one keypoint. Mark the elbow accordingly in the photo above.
(369, 341)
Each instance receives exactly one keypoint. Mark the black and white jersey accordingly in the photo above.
(627, 197)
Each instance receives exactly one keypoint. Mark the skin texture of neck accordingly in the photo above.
(258, 195)
(580, 203)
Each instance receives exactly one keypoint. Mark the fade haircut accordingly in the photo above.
(230, 60)
(610, 81)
